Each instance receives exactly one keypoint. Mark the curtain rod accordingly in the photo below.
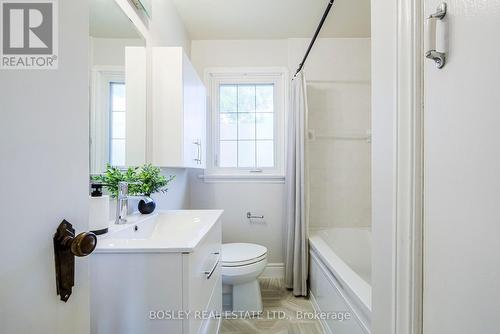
(323, 19)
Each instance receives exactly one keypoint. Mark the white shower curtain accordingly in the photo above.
(296, 239)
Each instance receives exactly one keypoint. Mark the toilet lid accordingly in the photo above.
(242, 253)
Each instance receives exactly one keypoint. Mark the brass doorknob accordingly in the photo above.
(83, 244)
(66, 247)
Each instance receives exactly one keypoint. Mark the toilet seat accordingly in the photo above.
(242, 254)
(241, 266)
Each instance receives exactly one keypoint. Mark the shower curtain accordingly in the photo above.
(296, 240)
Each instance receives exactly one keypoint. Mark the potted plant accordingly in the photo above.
(143, 181)
(114, 175)
(150, 181)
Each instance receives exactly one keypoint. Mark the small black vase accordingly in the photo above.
(147, 205)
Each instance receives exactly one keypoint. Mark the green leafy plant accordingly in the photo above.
(151, 181)
(145, 180)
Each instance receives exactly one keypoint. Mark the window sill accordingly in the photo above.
(242, 178)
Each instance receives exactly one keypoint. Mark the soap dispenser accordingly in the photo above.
(98, 210)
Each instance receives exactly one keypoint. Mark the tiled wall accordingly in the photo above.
(339, 122)
(339, 154)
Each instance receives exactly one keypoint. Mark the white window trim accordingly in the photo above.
(214, 77)
(102, 76)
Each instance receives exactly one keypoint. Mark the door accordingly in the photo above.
(462, 174)
(44, 163)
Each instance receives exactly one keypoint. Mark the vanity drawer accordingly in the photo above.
(202, 273)
(211, 325)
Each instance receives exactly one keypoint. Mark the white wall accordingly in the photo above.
(384, 19)
(43, 179)
(236, 199)
(178, 195)
(167, 28)
(111, 51)
(238, 53)
(339, 88)
(340, 59)
(343, 60)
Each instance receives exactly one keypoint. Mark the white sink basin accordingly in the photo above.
(162, 232)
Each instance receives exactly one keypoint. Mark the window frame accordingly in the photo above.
(215, 77)
(102, 77)
(110, 115)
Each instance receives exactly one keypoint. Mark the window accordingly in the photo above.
(247, 113)
(117, 120)
(107, 118)
(246, 126)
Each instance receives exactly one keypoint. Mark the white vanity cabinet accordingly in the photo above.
(202, 281)
(160, 274)
(179, 100)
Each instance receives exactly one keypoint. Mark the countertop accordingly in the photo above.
(173, 231)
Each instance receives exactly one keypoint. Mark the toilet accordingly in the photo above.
(242, 264)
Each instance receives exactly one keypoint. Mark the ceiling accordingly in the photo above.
(107, 20)
(272, 19)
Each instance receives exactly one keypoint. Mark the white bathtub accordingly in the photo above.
(340, 277)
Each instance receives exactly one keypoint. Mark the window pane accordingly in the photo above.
(265, 98)
(246, 126)
(228, 154)
(117, 96)
(265, 153)
(265, 126)
(246, 98)
(228, 126)
(228, 98)
(246, 137)
(118, 152)
(118, 125)
(246, 153)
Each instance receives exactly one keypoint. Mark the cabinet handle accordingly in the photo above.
(197, 159)
(210, 272)
(199, 151)
(197, 142)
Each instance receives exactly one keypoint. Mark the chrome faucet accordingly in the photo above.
(122, 201)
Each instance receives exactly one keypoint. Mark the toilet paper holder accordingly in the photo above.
(251, 216)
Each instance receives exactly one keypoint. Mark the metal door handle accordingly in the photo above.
(436, 45)
(83, 244)
(66, 247)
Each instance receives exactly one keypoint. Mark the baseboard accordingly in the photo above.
(274, 270)
(326, 328)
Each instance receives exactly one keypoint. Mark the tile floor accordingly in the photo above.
(278, 302)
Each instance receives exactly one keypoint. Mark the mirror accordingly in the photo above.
(144, 5)
(117, 89)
